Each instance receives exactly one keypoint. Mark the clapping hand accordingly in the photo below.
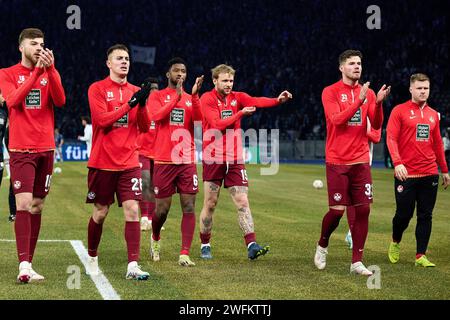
(197, 85)
(284, 96)
(363, 92)
(248, 110)
(383, 93)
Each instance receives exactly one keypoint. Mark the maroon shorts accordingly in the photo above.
(171, 178)
(349, 184)
(146, 164)
(232, 175)
(31, 172)
(103, 184)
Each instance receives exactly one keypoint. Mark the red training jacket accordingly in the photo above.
(224, 114)
(30, 95)
(174, 118)
(414, 139)
(346, 118)
(115, 125)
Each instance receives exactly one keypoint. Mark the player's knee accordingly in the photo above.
(100, 213)
(161, 209)
(242, 202)
(131, 214)
(37, 208)
(424, 216)
(341, 209)
(99, 217)
(24, 203)
(188, 207)
(161, 212)
(211, 203)
(244, 210)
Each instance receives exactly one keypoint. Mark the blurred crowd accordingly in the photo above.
(273, 45)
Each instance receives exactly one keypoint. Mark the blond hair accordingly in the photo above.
(222, 68)
(418, 77)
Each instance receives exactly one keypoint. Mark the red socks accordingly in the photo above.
(133, 239)
(22, 228)
(205, 237)
(27, 227)
(147, 209)
(351, 217)
(249, 238)
(94, 236)
(360, 230)
(151, 210)
(143, 205)
(35, 220)
(157, 224)
(329, 223)
(187, 231)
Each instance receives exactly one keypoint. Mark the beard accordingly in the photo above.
(223, 92)
(173, 82)
(31, 57)
(354, 77)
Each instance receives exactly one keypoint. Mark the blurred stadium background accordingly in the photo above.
(274, 45)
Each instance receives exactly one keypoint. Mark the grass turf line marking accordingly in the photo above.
(105, 288)
(101, 282)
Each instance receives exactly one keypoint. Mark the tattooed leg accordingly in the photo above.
(211, 192)
(246, 220)
(239, 194)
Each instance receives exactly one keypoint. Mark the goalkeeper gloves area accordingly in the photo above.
(140, 96)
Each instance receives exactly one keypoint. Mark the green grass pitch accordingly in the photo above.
(287, 212)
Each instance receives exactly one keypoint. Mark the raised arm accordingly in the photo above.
(15, 96)
(99, 110)
(55, 85)
(333, 111)
(259, 102)
(212, 115)
(143, 118)
(158, 111)
(196, 105)
(375, 112)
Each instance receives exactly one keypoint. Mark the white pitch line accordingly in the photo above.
(105, 288)
(101, 282)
